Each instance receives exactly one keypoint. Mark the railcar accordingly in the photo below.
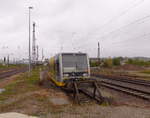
(65, 67)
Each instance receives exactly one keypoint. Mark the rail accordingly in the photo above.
(12, 72)
(89, 88)
(133, 81)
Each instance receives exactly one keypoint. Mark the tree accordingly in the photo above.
(94, 63)
(116, 61)
(108, 62)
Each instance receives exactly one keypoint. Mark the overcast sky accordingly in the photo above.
(121, 26)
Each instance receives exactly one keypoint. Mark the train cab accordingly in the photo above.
(68, 66)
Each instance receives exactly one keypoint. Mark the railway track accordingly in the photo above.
(80, 91)
(12, 72)
(128, 90)
(114, 84)
(88, 88)
(91, 89)
(126, 80)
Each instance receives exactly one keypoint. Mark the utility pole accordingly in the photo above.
(98, 54)
(34, 45)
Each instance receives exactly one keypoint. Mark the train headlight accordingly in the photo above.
(66, 75)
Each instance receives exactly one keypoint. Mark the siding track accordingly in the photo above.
(125, 87)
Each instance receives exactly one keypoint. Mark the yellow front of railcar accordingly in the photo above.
(53, 72)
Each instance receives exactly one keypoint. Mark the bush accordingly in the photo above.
(116, 61)
(94, 64)
(138, 62)
(108, 62)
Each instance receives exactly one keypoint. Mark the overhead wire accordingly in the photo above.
(131, 39)
(117, 17)
(122, 13)
(139, 21)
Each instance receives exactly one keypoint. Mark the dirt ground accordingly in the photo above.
(130, 67)
(38, 103)
(28, 97)
(7, 81)
(127, 71)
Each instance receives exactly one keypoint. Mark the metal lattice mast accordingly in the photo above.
(34, 45)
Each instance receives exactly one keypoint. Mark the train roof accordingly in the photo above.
(72, 53)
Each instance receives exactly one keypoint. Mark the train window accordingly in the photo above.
(76, 62)
(81, 61)
(68, 61)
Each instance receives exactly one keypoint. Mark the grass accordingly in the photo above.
(36, 103)
(22, 84)
(11, 66)
(19, 92)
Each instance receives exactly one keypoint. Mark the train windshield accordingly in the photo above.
(74, 62)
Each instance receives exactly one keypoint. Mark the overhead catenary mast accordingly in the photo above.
(34, 45)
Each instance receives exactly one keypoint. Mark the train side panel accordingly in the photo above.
(54, 71)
